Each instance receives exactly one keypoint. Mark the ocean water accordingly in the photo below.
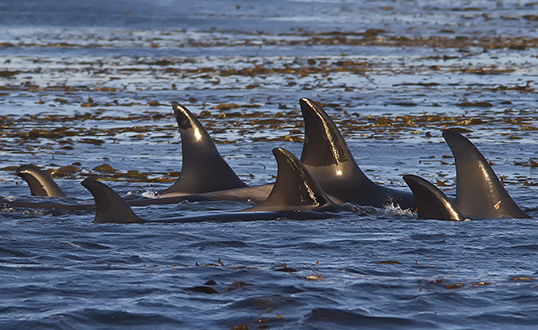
(85, 84)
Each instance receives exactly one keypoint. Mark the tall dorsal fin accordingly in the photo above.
(479, 193)
(40, 183)
(109, 206)
(327, 156)
(203, 168)
(295, 188)
(432, 203)
(324, 148)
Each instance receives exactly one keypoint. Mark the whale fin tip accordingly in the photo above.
(40, 183)
(295, 188)
(432, 203)
(109, 206)
(327, 156)
(203, 169)
(479, 192)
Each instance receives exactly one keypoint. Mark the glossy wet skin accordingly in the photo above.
(40, 183)
(203, 169)
(391, 91)
(432, 203)
(295, 195)
(327, 156)
(478, 190)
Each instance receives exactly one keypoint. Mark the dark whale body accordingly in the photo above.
(327, 156)
(40, 183)
(206, 176)
(295, 195)
(203, 169)
(479, 192)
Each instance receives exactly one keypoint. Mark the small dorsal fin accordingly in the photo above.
(203, 168)
(40, 183)
(327, 156)
(479, 193)
(295, 188)
(432, 203)
(109, 206)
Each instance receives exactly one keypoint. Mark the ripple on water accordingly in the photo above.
(432, 238)
(224, 244)
(7, 253)
(331, 317)
(388, 86)
(513, 319)
(97, 318)
(525, 247)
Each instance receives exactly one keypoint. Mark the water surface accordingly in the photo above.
(83, 85)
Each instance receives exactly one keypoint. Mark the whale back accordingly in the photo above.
(479, 192)
(203, 168)
(432, 203)
(40, 183)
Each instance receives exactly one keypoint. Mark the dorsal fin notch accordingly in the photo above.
(203, 168)
(40, 183)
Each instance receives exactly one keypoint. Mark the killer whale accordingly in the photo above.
(325, 154)
(39, 182)
(479, 192)
(432, 203)
(295, 195)
(203, 168)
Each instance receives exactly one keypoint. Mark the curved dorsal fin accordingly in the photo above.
(432, 203)
(40, 183)
(324, 147)
(203, 168)
(327, 156)
(295, 188)
(109, 206)
(479, 193)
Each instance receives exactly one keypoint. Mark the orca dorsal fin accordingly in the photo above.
(328, 158)
(295, 188)
(479, 192)
(109, 206)
(203, 168)
(432, 203)
(324, 148)
(40, 183)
